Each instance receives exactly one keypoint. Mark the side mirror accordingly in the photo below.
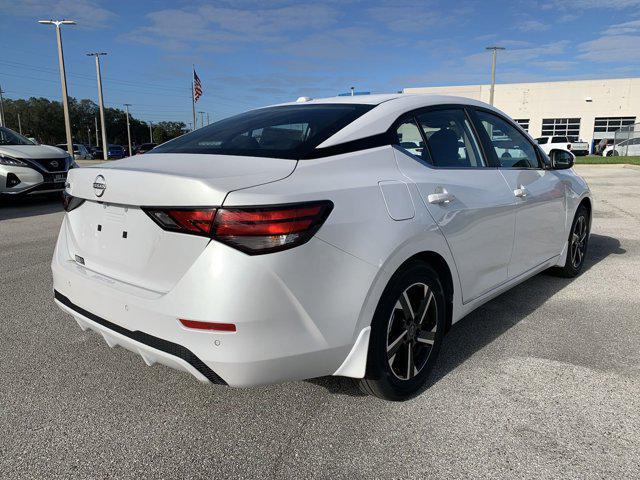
(561, 159)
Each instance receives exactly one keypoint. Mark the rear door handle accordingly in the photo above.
(520, 192)
(440, 198)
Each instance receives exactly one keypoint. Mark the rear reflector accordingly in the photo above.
(211, 326)
(253, 230)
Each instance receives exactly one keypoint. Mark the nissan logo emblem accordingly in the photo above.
(55, 164)
(99, 186)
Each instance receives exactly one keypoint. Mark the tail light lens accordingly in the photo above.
(70, 202)
(253, 230)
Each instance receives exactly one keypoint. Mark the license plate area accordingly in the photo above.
(59, 177)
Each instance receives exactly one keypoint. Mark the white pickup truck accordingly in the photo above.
(578, 148)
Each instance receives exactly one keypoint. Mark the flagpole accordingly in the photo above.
(193, 96)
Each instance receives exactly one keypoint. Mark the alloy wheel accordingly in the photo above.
(578, 245)
(411, 331)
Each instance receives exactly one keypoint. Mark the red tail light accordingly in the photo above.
(253, 230)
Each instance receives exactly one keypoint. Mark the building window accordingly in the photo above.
(566, 127)
(523, 122)
(611, 124)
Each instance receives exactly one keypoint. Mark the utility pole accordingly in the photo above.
(89, 134)
(95, 119)
(63, 78)
(1, 108)
(126, 106)
(105, 146)
(19, 125)
(207, 118)
(494, 49)
(150, 132)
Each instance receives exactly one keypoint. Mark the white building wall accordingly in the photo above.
(584, 99)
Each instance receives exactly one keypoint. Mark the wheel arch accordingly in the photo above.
(440, 265)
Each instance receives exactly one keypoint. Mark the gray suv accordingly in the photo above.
(29, 169)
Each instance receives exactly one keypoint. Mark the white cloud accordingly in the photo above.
(623, 28)
(611, 49)
(590, 4)
(87, 13)
(531, 26)
(176, 29)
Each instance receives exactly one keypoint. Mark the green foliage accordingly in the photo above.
(43, 119)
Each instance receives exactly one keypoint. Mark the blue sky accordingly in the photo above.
(252, 53)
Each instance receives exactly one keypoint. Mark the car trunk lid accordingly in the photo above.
(112, 235)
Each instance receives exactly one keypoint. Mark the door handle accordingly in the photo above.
(520, 192)
(440, 198)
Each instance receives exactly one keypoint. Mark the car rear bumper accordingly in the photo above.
(151, 349)
(295, 311)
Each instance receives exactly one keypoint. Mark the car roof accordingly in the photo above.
(388, 108)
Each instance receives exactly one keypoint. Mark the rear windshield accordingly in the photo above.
(289, 131)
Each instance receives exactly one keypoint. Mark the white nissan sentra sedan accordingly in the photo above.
(340, 236)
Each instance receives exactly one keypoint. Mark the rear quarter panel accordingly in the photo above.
(360, 224)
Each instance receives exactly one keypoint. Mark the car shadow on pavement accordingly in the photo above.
(490, 321)
(30, 206)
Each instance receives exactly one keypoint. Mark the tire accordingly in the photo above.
(612, 153)
(388, 374)
(577, 245)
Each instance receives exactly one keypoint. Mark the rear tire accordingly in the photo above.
(612, 153)
(576, 246)
(406, 334)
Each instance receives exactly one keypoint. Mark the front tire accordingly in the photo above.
(406, 334)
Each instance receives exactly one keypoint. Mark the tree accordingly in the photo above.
(43, 119)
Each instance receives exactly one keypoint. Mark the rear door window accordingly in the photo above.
(450, 139)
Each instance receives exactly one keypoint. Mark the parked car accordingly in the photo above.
(602, 144)
(629, 147)
(144, 148)
(30, 169)
(115, 152)
(80, 152)
(577, 147)
(310, 239)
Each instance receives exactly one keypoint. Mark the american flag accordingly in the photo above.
(197, 87)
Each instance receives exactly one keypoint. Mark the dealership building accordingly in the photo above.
(587, 109)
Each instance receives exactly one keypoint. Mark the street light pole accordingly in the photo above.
(150, 132)
(201, 119)
(19, 125)
(63, 78)
(494, 49)
(1, 108)
(95, 119)
(126, 106)
(105, 147)
(89, 135)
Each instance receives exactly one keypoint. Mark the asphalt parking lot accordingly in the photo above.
(542, 382)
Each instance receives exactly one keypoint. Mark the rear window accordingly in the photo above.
(289, 131)
(541, 140)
